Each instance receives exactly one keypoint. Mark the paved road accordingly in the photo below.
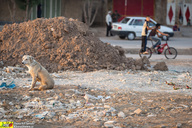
(179, 43)
(161, 57)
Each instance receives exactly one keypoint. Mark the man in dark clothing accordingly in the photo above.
(115, 16)
(153, 33)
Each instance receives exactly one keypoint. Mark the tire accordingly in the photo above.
(131, 36)
(122, 37)
(170, 53)
(147, 55)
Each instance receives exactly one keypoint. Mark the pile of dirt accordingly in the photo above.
(60, 44)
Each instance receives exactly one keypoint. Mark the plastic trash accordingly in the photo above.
(42, 116)
(11, 85)
(3, 84)
(99, 97)
(108, 97)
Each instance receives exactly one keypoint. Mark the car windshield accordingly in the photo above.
(151, 23)
(125, 20)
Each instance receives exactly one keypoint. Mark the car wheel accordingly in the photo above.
(131, 36)
(122, 37)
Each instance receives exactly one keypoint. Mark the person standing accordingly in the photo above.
(108, 23)
(144, 35)
(116, 16)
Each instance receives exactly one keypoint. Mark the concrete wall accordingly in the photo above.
(72, 9)
(102, 12)
(5, 15)
(160, 11)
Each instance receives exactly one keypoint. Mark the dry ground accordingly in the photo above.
(158, 109)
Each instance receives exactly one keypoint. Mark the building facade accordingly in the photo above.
(179, 11)
(163, 11)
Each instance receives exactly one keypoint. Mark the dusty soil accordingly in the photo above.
(158, 109)
(66, 106)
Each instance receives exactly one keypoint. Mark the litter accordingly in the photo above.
(11, 85)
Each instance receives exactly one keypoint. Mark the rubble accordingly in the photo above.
(121, 115)
(138, 111)
(109, 124)
(161, 66)
(142, 64)
(116, 99)
(65, 104)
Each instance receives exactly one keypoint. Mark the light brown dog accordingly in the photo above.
(38, 73)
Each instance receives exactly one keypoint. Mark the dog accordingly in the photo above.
(38, 73)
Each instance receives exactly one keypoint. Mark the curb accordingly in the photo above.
(187, 51)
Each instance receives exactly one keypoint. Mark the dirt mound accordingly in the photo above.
(60, 44)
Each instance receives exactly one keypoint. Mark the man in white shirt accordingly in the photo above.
(144, 34)
(108, 23)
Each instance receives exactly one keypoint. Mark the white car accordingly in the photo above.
(131, 27)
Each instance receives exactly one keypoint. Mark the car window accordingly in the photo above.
(131, 22)
(125, 20)
(151, 24)
(138, 22)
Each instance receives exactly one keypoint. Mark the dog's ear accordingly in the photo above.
(31, 59)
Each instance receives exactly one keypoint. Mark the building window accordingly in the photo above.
(46, 9)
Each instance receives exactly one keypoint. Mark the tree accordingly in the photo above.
(12, 9)
(27, 5)
(89, 12)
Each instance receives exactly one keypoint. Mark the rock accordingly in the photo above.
(121, 115)
(1, 63)
(138, 64)
(50, 115)
(62, 117)
(120, 50)
(161, 66)
(146, 61)
(20, 116)
(99, 97)
(141, 64)
(78, 103)
(2, 110)
(57, 97)
(26, 98)
(109, 124)
(138, 111)
(151, 115)
(108, 97)
(137, 67)
(133, 67)
(179, 125)
(113, 114)
(100, 114)
(10, 69)
(96, 119)
(106, 106)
